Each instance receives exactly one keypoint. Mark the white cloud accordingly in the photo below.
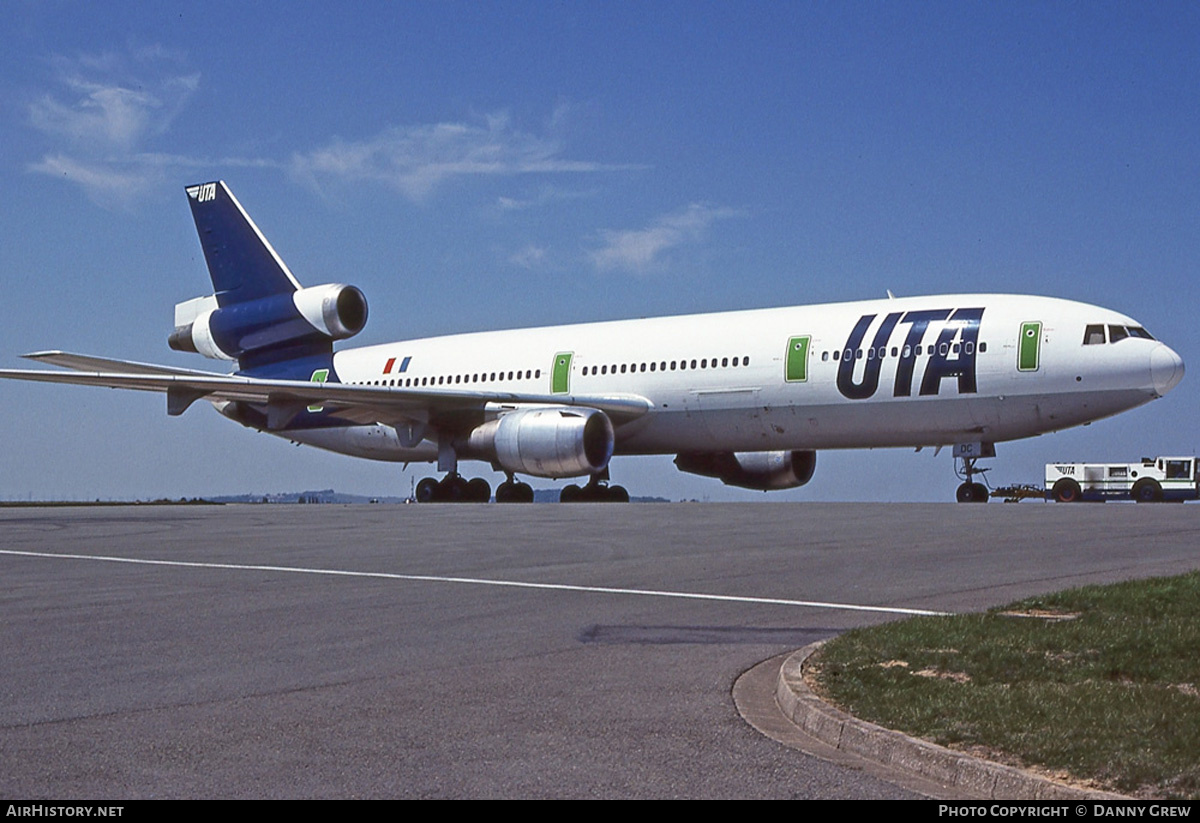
(529, 257)
(639, 249)
(103, 112)
(417, 159)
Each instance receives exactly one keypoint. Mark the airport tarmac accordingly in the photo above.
(481, 651)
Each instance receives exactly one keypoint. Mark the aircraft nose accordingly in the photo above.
(1166, 369)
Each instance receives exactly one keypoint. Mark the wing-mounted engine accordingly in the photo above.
(762, 471)
(283, 322)
(545, 442)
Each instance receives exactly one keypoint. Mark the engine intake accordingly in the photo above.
(762, 471)
(546, 442)
(314, 315)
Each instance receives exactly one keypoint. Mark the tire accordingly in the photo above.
(427, 491)
(979, 492)
(1066, 490)
(504, 493)
(617, 494)
(570, 494)
(478, 490)
(523, 493)
(1147, 490)
(965, 494)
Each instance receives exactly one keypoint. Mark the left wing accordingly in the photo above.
(285, 399)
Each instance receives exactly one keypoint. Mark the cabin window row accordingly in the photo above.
(882, 352)
(455, 379)
(668, 365)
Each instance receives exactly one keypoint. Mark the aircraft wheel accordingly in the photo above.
(1066, 490)
(980, 492)
(965, 493)
(478, 490)
(504, 492)
(617, 494)
(570, 494)
(1147, 490)
(523, 493)
(452, 489)
(427, 491)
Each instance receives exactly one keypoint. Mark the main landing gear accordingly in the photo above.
(597, 490)
(454, 488)
(513, 491)
(971, 491)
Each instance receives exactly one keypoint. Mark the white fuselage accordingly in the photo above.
(918, 371)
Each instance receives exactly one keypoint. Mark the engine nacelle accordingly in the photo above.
(762, 471)
(316, 314)
(546, 442)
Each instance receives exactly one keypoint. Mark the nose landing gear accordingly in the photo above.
(971, 491)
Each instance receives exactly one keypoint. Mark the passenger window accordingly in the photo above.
(746, 361)
(1093, 335)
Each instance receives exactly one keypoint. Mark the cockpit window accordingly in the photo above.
(1094, 334)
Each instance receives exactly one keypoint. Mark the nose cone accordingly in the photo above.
(1166, 369)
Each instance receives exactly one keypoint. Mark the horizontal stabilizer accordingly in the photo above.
(87, 362)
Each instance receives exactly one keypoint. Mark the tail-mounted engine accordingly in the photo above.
(762, 471)
(277, 322)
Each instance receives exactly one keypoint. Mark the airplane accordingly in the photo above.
(746, 397)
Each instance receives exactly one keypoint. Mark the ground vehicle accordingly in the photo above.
(1152, 480)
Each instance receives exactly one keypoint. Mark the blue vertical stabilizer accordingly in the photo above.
(241, 262)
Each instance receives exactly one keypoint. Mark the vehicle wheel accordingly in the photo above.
(427, 491)
(504, 492)
(965, 493)
(1066, 490)
(478, 490)
(980, 491)
(1147, 490)
(523, 493)
(617, 494)
(570, 494)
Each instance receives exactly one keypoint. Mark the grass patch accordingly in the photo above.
(1101, 683)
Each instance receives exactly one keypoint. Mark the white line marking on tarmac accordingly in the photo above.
(518, 584)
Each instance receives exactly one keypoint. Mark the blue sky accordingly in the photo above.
(492, 165)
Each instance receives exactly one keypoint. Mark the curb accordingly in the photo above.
(981, 778)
